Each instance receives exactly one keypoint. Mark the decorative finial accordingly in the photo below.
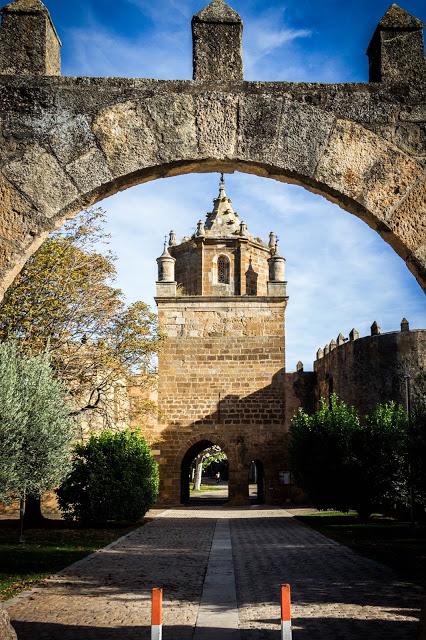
(222, 193)
(201, 232)
(405, 325)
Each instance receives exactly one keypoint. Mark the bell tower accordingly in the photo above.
(221, 297)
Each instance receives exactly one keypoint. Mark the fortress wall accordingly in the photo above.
(369, 370)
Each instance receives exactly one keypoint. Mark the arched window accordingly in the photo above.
(223, 270)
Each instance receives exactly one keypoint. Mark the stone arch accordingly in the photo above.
(131, 142)
(189, 451)
(69, 142)
(259, 479)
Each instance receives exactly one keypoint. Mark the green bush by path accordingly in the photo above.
(342, 462)
(114, 478)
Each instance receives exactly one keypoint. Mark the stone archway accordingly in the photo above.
(193, 451)
(69, 142)
(257, 471)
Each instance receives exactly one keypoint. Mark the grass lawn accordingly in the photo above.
(46, 551)
(208, 487)
(399, 545)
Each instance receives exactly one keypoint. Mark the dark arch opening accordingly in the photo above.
(186, 478)
(256, 482)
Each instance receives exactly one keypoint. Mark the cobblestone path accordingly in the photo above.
(336, 593)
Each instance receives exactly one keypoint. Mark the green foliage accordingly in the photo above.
(214, 454)
(64, 298)
(380, 473)
(342, 462)
(416, 459)
(321, 453)
(114, 478)
(36, 431)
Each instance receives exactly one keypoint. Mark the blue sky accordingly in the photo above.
(340, 273)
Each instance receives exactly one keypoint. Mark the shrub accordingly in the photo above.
(380, 472)
(114, 478)
(416, 458)
(342, 462)
(321, 453)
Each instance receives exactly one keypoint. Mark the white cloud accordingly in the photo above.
(96, 51)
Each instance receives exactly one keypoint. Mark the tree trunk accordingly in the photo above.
(21, 518)
(198, 474)
(33, 516)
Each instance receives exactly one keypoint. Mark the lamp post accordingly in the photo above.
(407, 379)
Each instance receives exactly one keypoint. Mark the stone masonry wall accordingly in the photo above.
(222, 360)
(188, 268)
(221, 379)
(196, 267)
(369, 370)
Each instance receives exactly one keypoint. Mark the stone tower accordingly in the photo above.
(221, 297)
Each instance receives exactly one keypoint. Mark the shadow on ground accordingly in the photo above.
(303, 629)
(267, 552)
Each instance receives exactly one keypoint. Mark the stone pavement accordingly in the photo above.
(336, 593)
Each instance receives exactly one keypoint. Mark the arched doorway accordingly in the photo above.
(256, 478)
(204, 474)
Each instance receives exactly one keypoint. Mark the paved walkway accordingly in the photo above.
(336, 593)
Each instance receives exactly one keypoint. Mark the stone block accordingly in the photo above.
(217, 121)
(17, 219)
(283, 133)
(277, 289)
(41, 178)
(363, 167)
(166, 289)
(29, 44)
(396, 51)
(90, 171)
(6, 630)
(136, 135)
(71, 138)
(408, 219)
(217, 43)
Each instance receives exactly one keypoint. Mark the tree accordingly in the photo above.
(36, 430)
(343, 462)
(203, 462)
(416, 455)
(64, 300)
(321, 453)
(114, 478)
(380, 470)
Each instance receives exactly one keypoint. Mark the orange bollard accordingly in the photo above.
(286, 633)
(157, 614)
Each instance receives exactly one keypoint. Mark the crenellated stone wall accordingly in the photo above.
(372, 369)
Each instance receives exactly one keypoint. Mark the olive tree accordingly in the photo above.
(36, 430)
